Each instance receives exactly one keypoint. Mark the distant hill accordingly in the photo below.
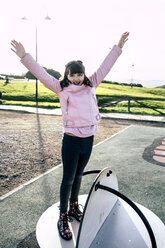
(146, 83)
(162, 86)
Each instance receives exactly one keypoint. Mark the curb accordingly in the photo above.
(119, 116)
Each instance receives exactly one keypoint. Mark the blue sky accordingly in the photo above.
(86, 30)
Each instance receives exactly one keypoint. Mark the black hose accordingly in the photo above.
(137, 210)
(91, 172)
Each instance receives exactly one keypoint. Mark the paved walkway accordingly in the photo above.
(141, 180)
(158, 119)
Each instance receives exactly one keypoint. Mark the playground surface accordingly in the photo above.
(30, 144)
(130, 153)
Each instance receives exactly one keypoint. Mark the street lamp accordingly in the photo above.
(36, 46)
(132, 75)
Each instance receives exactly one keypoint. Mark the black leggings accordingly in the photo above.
(76, 152)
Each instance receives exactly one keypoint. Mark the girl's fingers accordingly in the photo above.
(126, 34)
(15, 43)
(13, 50)
(15, 46)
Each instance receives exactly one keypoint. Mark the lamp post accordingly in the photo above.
(132, 75)
(36, 48)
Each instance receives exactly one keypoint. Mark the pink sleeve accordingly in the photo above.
(106, 66)
(39, 72)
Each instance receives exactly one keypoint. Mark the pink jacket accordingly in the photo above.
(78, 103)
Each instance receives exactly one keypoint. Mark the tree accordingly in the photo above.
(29, 75)
(52, 72)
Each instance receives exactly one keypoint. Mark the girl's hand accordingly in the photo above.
(18, 48)
(123, 39)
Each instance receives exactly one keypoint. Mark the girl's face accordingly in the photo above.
(76, 78)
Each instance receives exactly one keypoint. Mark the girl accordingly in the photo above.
(80, 118)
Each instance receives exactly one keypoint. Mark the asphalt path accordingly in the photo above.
(128, 153)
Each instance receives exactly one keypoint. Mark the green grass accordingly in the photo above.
(23, 93)
(121, 90)
(108, 94)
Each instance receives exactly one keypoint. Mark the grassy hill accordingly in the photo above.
(111, 97)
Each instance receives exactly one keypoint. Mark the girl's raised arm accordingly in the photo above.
(109, 61)
(38, 71)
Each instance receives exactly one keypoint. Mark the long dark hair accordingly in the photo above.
(75, 66)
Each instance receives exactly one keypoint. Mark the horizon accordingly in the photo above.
(145, 83)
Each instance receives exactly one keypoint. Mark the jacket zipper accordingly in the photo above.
(67, 105)
(94, 99)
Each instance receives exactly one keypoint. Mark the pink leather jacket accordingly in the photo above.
(78, 103)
